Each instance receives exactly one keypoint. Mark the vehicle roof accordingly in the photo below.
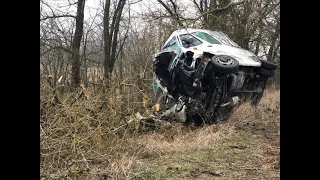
(184, 31)
(217, 34)
(187, 31)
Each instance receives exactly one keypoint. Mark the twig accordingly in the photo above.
(44, 133)
(85, 160)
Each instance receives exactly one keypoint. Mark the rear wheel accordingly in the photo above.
(256, 97)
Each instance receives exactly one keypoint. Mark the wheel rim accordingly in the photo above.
(225, 60)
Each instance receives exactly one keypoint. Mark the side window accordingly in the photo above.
(170, 43)
(173, 45)
(188, 40)
(206, 37)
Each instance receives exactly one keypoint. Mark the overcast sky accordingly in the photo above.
(61, 7)
(91, 6)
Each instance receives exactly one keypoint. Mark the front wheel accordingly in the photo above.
(224, 64)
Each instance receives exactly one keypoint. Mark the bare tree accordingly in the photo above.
(75, 60)
(110, 33)
(275, 35)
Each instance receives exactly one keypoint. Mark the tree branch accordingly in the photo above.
(57, 16)
(175, 9)
(56, 47)
(219, 9)
(170, 12)
(197, 5)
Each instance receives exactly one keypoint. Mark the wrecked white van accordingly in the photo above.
(206, 74)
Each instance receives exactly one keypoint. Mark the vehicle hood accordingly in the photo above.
(245, 57)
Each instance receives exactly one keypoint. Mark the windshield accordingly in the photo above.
(188, 40)
(206, 37)
(223, 38)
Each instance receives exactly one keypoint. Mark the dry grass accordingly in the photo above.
(208, 148)
(77, 138)
(79, 142)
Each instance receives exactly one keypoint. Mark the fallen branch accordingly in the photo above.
(151, 121)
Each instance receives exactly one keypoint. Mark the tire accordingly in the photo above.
(268, 65)
(224, 64)
(265, 72)
(226, 113)
(256, 98)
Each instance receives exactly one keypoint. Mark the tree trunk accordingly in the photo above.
(275, 52)
(256, 52)
(111, 36)
(75, 69)
(273, 41)
(107, 39)
(85, 61)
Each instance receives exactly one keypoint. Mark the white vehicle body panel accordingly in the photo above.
(245, 57)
